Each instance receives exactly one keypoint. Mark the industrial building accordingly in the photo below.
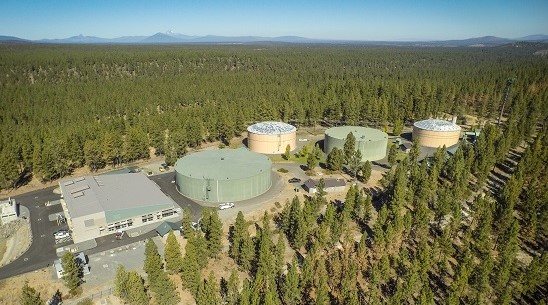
(271, 137)
(436, 133)
(370, 142)
(9, 211)
(95, 206)
(223, 175)
(330, 185)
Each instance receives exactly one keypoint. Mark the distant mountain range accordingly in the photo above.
(175, 38)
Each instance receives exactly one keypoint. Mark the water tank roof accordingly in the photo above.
(360, 133)
(437, 125)
(223, 164)
(270, 127)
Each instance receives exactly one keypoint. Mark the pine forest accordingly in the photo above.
(470, 228)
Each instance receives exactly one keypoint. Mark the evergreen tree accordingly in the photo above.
(136, 289)
(208, 293)
(398, 127)
(187, 223)
(349, 148)
(165, 291)
(29, 295)
(287, 153)
(245, 295)
(153, 261)
(121, 283)
(291, 292)
(237, 234)
(190, 268)
(311, 162)
(365, 172)
(172, 254)
(213, 231)
(72, 272)
(335, 159)
(392, 155)
(232, 288)
(354, 163)
(322, 289)
(280, 253)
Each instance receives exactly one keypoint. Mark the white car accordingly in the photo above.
(61, 234)
(226, 205)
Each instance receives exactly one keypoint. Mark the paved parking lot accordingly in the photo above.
(103, 264)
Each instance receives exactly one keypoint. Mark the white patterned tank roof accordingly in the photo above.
(271, 128)
(437, 125)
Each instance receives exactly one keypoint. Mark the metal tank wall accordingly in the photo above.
(432, 138)
(218, 190)
(372, 150)
(271, 143)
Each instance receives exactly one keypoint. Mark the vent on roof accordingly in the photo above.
(70, 182)
(79, 179)
(78, 194)
(80, 188)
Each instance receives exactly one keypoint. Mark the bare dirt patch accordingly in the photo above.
(41, 280)
(14, 240)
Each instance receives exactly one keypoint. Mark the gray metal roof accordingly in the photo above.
(113, 194)
(329, 182)
(223, 164)
(270, 127)
(360, 133)
(437, 125)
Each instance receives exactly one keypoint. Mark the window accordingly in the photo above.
(147, 218)
(167, 213)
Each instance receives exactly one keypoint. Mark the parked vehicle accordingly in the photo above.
(294, 180)
(226, 205)
(164, 166)
(61, 234)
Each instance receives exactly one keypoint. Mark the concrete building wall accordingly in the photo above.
(8, 211)
(271, 143)
(88, 227)
(432, 138)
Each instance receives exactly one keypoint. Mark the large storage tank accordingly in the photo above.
(436, 133)
(371, 142)
(223, 175)
(271, 137)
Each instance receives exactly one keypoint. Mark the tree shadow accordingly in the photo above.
(407, 136)
(24, 178)
(320, 144)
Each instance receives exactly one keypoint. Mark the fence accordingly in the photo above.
(93, 297)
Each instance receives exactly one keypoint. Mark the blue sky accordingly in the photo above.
(356, 20)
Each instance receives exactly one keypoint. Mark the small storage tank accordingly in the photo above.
(436, 133)
(271, 137)
(223, 175)
(371, 142)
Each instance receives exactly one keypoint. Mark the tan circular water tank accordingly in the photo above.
(271, 137)
(436, 133)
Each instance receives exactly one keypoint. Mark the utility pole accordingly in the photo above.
(509, 84)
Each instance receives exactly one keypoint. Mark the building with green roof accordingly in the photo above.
(372, 143)
(95, 206)
(223, 175)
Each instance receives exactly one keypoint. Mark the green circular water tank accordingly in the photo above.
(371, 142)
(223, 175)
